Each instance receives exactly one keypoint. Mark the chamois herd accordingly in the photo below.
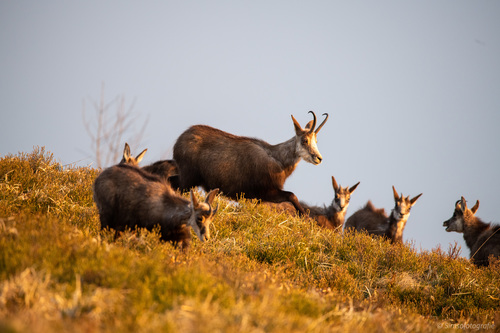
(128, 196)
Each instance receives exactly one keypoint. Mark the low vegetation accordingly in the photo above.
(262, 271)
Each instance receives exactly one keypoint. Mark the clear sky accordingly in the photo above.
(412, 88)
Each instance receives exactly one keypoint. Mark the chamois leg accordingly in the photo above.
(281, 196)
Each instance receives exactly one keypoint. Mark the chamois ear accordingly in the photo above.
(140, 156)
(298, 128)
(415, 199)
(476, 206)
(194, 201)
(463, 204)
(396, 195)
(335, 185)
(309, 125)
(353, 187)
(126, 152)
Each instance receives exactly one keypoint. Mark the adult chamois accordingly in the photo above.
(128, 197)
(237, 165)
(376, 222)
(483, 239)
(165, 168)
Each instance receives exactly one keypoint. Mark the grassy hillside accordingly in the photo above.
(263, 271)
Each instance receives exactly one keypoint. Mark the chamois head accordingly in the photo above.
(342, 195)
(403, 205)
(461, 216)
(202, 214)
(128, 159)
(306, 141)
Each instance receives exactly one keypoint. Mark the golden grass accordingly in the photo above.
(263, 271)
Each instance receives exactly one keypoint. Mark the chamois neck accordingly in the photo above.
(285, 153)
(395, 228)
(335, 215)
(472, 229)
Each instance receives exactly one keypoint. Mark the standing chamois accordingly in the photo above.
(128, 197)
(483, 239)
(376, 222)
(166, 169)
(238, 165)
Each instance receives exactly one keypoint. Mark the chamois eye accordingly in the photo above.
(304, 141)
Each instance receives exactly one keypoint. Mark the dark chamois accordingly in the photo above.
(211, 158)
(483, 239)
(128, 197)
(376, 222)
(165, 168)
(331, 217)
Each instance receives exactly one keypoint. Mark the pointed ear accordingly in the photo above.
(211, 196)
(309, 125)
(335, 185)
(298, 128)
(126, 152)
(415, 199)
(396, 195)
(463, 204)
(476, 206)
(194, 201)
(141, 155)
(353, 187)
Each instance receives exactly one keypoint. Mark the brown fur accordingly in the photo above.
(376, 222)
(483, 239)
(241, 165)
(128, 197)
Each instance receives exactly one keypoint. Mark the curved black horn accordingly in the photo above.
(321, 125)
(314, 122)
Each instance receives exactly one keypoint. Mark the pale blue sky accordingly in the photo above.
(412, 88)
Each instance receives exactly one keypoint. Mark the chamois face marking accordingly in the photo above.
(202, 215)
(403, 205)
(306, 140)
(128, 159)
(460, 216)
(342, 196)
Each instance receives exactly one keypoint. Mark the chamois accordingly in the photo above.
(376, 222)
(128, 197)
(211, 158)
(165, 168)
(333, 216)
(483, 239)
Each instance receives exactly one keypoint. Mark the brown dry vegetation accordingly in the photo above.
(263, 271)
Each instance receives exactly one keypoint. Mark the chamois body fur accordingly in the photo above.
(376, 222)
(483, 239)
(242, 165)
(128, 197)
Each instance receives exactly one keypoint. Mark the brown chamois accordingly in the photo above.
(376, 222)
(128, 197)
(483, 239)
(333, 216)
(165, 168)
(238, 165)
